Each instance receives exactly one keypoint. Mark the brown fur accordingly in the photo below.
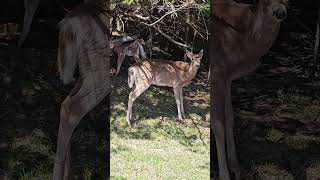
(132, 48)
(83, 44)
(176, 74)
(242, 34)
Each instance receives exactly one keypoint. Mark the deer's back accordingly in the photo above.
(163, 72)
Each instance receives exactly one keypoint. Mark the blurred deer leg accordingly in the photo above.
(181, 101)
(30, 7)
(219, 127)
(73, 109)
(67, 167)
(178, 101)
(138, 90)
(120, 59)
(231, 148)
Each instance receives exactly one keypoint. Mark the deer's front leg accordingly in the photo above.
(218, 123)
(231, 148)
(138, 90)
(30, 7)
(177, 96)
(120, 59)
(181, 101)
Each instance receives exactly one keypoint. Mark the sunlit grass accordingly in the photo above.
(158, 146)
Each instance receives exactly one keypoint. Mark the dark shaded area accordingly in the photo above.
(260, 109)
(32, 94)
(24, 107)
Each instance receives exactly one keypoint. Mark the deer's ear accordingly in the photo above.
(201, 53)
(189, 54)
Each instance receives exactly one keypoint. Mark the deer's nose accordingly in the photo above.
(280, 13)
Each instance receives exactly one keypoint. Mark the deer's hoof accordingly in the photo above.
(129, 122)
(180, 120)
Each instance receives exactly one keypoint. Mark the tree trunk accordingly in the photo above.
(316, 47)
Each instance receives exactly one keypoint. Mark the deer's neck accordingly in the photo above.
(264, 27)
(192, 71)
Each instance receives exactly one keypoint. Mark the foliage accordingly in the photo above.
(167, 26)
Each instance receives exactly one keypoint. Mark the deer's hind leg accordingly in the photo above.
(67, 166)
(76, 105)
(120, 59)
(138, 90)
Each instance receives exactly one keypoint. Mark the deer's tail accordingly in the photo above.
(69, 43)
(131, 76)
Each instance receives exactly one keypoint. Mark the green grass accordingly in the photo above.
(158, 146)
(30, 118)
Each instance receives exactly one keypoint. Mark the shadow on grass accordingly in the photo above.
(154, 113)
(30, 119)
(262, 151)
(266, 151)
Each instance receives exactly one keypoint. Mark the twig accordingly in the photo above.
(200, 135)
(168, 37)
(170, 12)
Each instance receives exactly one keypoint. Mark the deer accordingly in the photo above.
(241, 35)
(175, 74)
(132, 48)
(30, 7)
(83, 45)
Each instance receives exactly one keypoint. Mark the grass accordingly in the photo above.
(158, 146)
(277, 119)
(30, 118)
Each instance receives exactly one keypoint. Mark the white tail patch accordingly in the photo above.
(69, 42)
(142, 52)
(131, 77)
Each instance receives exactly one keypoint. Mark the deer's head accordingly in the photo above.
(195, 58)
(275, 8)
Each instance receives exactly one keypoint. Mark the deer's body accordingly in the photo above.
(132, 48)
(162, 73)
(242, 34)
(83, 43)
(175, 74)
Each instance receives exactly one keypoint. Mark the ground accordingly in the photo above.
(31, 96)
(158, 146)
(276, 113)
